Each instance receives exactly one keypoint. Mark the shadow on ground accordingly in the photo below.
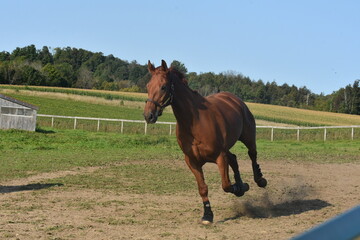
(277, 210)
(28, 187)
(289, 200)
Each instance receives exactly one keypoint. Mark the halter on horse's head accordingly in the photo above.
(160, 92)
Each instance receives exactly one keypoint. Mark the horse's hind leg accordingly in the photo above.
(239, 187)
(258, 176)
(223, 162)
(235, 167)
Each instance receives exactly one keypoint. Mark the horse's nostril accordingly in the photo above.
(149, 117)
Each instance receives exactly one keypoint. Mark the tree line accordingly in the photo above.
(79, 68)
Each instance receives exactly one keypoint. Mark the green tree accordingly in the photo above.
(94, 61)
(31, 76)
(12, 71)
(67, 74)
(136, 71)
(29, 53)
(85, 79)
(179, 66)
(356, 95)
(73, 56)
(45, 56)
(4, 56)
(53, 76)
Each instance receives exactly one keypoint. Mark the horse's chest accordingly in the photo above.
(199, 145)
(202, 151)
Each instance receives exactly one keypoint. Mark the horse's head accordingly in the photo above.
(160, 92)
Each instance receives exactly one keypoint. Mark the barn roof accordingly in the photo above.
(25, 104)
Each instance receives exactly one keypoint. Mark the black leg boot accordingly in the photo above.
(208, 214)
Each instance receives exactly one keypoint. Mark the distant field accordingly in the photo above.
(302, 117)
(108, 104)
(131, 96)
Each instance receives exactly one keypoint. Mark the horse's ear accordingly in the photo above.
(164, 65)
(151, 67)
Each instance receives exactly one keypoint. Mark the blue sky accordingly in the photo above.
(312, 43)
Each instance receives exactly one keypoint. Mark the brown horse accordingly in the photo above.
(207, 127)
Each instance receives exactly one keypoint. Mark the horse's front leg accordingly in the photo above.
(196, 169)
(223, 161)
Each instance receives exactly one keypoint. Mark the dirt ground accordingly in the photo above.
(298, 197)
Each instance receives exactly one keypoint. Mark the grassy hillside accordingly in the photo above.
(106, 104)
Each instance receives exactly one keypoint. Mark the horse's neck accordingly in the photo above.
(186, 105)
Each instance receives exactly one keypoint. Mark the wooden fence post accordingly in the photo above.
(352, 133)
(75, 123)
(324, 134)
(272, 134)
(298, 134)
(145, 128)
(98, 125)
(122, 127)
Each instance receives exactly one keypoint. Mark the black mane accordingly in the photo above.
(182, 78)
(179, 74)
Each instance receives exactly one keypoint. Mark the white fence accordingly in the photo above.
(352, 134)
(172, 124)
(108, 120)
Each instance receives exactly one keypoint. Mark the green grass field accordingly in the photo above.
(25, 153)
(28, 153)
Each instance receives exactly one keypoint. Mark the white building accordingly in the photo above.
(16, 114)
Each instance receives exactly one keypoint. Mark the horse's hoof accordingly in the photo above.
(245, 187)
(207, 219)
(261, 182)
(241, 191)
(205, 222)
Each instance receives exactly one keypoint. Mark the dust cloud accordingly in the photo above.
(285, 200)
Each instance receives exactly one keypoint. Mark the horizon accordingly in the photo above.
(52, 50)
(311, 44)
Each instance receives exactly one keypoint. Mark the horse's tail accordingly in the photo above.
(249, 124)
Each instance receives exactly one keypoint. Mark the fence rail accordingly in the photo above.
(352, 127)
(171, 124)
(106, 119)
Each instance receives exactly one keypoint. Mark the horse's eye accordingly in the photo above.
(163, 88)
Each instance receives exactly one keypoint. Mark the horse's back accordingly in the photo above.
(242, 112)
(229, 105)
(231, 115)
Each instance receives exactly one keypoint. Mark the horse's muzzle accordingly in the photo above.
(151, 117)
